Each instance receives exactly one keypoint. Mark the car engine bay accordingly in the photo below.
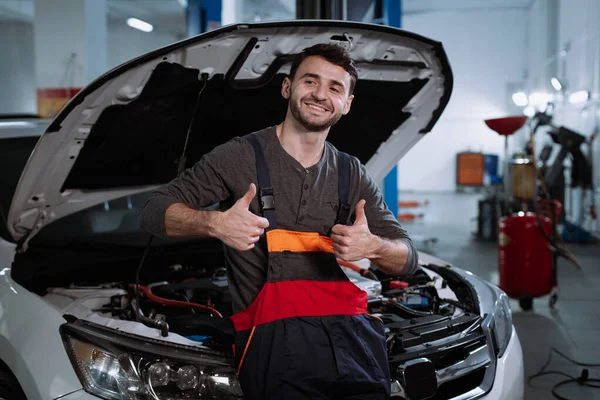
(185, 303)
(195, 310)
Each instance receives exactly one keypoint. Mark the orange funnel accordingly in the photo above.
(506, 126)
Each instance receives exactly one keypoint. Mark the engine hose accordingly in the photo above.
(395, 303)
(163, 326)
(410, 311)
(361, 271)
(177, 303)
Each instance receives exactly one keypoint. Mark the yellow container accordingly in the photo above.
(523, 179)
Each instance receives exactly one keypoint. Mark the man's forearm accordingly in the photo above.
(183, 221)
(391, 256)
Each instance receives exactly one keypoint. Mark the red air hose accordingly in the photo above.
(176, 303)
(350, 265)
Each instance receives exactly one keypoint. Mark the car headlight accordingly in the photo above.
(116, 367)
(502, 322)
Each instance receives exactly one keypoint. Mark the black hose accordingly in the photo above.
(410, 311)
(555, 248)
(137, 279)
(149, 322)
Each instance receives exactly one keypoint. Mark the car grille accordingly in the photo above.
(457, 348)
(460, 386)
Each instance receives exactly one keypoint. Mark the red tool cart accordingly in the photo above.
(526, 239)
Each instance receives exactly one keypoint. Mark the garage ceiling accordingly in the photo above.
(165, 15)
(168, 14)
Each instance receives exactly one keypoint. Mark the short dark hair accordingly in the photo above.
(333, 53)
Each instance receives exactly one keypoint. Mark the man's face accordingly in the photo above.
(319, 93)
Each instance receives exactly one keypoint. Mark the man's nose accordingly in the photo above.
(319, 93)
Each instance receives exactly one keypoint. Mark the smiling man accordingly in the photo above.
(303, 331)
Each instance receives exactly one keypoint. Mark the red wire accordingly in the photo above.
(350, 265)
(176, 303)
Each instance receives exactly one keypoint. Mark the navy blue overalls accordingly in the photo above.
(308, 335)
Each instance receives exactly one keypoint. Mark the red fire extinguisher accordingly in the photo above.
(526, 260)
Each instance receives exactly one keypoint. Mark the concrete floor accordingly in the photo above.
(572, 328)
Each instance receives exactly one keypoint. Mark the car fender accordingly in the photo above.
(30, 342)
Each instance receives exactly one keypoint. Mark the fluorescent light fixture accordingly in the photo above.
(539, 98)
(183, 3)
(520, 99)
(17, 124)
(529, 111)
(579, 97)
(556, 84)
(139, 24)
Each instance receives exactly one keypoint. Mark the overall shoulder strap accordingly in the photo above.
(343, 188)
(265, 190)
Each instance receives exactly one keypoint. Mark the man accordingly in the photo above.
(302, 327)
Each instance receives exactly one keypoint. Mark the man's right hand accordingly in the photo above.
(239, 228)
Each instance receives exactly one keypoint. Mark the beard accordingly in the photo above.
(312, 123)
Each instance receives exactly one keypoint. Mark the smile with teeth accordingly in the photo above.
(316, 107)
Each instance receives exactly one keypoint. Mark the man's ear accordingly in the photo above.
(347, 105)
(285, 88)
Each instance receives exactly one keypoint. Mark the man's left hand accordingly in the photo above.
(353, 243)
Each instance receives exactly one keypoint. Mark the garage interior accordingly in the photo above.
(517, 140)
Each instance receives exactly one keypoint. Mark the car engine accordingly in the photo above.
(430, 318)
(195, 310)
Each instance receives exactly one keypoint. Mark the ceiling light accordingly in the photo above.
(17, 124)
(520, 99)
(556, 84)
(139, 24)
(579, 97)
(529, 111)
(183, 3)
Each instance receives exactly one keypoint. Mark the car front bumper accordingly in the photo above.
(508, 380)
(510, 373)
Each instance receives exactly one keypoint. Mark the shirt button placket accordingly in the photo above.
(304, 193)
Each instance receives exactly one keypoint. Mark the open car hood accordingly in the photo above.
(126, 131)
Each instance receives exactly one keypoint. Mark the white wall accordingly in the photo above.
(579, 67)
(60, 44)
(17, 68)
(18, 62)
(487, 50)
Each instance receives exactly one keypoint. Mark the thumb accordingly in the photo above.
(361, 218)
(247, 199)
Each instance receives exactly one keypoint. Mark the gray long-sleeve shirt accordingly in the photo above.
(306, 200)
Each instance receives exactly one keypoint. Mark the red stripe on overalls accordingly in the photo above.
(301, 298)
(278, 300)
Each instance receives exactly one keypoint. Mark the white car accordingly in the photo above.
(72, 325)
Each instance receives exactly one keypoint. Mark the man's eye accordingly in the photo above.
(310, 82)
(335, 89)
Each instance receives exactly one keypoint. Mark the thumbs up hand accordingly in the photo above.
(239, 228)
(353, 243)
